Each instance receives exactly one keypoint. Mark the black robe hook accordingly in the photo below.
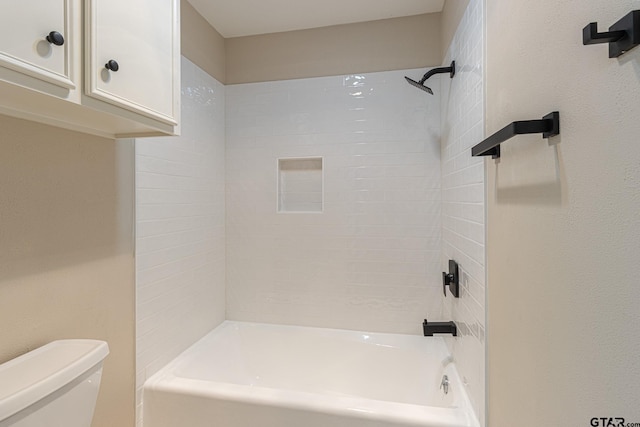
(622, 36)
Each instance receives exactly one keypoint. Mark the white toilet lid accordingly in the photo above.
(34, 375)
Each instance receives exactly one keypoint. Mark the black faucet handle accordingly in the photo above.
(451, 279)
(447, 279)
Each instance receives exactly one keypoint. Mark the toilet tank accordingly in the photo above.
(54, 385)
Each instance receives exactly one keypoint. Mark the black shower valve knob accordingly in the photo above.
(447, 278)
(451, 279)
(55, 38)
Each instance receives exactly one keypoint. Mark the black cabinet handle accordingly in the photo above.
(112, 65)
(56, 38)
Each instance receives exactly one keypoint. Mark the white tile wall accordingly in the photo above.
(463, 196)
(371, 260)
(180, 236)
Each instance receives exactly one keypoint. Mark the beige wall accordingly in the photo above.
(563, 223)
(201, 43)
(451, 16)
(390, 44)
(66, 250)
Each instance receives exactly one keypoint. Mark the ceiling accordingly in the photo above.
(235, 18)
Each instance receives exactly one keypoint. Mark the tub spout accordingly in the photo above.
(430, 328)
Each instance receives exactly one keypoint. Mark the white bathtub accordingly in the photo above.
(260, 375)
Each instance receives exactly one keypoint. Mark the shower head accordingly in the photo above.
(420, 85)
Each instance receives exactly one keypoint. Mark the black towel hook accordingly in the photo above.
(622, 36)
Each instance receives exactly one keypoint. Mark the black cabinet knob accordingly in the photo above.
(112, 65)
(56, 38)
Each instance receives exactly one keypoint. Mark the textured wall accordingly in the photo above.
(388, 44)
(66, 250)
(463, 198)
(451, 16)
(371, 260)
(180, 236)
(201, 43)
(563, 223)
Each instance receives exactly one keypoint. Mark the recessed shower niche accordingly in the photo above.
(300, 185)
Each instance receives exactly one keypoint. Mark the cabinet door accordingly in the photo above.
(24, 46)
(142, 38)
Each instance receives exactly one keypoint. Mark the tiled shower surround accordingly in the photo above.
(232, 206)
(463, 195)
(180, 230)
(371, 259)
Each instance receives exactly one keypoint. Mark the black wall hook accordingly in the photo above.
(622, 36)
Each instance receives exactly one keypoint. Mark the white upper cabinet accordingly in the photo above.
(132, 55)
(36, 40)
(107, 67)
